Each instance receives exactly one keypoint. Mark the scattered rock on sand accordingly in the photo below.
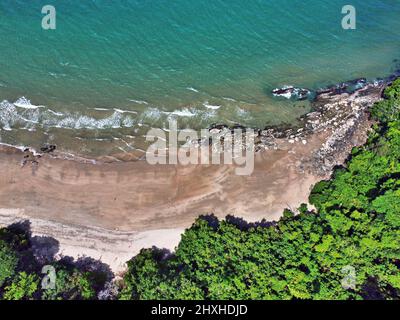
(29, 158)
(48, 148)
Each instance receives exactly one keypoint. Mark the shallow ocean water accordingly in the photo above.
(113, 69)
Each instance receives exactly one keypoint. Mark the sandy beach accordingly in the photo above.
(109, 211)
(136, 196)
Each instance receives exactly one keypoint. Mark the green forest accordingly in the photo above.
(347, 248)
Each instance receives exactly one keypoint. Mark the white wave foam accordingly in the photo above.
(229, 99)
(210, 106)
(85, 122)
(22, 114)
(286, 95)
(55, 113)
(192, 89)
(25, 103)
(128, 122)
(30, 117)
(124, 111)
(139, 101)
(8, 115)
(183, 113)
(151, 113)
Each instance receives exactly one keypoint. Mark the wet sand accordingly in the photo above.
(137, 196)
(110, 211)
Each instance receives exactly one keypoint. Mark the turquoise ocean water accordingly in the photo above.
(112, 69)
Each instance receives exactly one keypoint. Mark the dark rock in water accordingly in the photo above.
(355, 84)
(344, 87)
(218, 126)
(290, 92)
(224, 126)
(333, 90)
(302, 94)
(283, 92)
(393, 76)
(238, 127)
(48, 148)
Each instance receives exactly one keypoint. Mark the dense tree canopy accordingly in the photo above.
(8, 262)
(354, 232)
(21, 272)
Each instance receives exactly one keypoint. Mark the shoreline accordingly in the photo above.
(114, 248)
(267, 134)
(95, 209)
(87, 208)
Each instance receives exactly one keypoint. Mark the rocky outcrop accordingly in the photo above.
(290, 92)
(48, 148)
(346, 118)
(340, 111)
(344, 87)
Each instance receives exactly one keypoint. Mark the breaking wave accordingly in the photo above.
(23, 114)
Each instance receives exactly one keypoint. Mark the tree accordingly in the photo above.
(71, 284)
(305, 256)
(23, 286)
(8, 262)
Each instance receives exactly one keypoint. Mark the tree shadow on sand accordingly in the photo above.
(37, 251)
(245, 226)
